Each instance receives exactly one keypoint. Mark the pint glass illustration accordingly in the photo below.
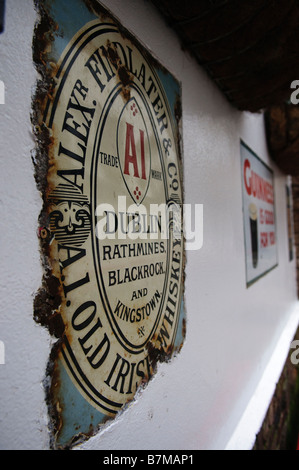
(253, 233)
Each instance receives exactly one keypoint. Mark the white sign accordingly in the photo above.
(114, 182)
(258, 215)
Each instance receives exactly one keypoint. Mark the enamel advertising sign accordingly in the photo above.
(258, 215)
(111, 228)
(290, 221)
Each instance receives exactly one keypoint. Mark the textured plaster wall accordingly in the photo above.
(22, 410)
(196, 401)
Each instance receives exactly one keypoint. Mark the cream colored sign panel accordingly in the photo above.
(111, 225)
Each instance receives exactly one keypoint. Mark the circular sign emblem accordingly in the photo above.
(114, 205)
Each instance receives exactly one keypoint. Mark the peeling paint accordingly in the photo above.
(106, 118)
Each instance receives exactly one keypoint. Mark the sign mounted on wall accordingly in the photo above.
(107, 120)
(258, 215)
(290, 225)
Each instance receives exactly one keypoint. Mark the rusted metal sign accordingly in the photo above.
(106, 116)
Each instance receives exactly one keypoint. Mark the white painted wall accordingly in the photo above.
(22, 411)
(196, 401)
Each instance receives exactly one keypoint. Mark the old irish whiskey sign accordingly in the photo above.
(106, 117)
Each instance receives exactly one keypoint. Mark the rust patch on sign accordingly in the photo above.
(126, 78)
(106, 119)
(48, 298)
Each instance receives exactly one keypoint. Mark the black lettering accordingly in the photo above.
(151, 87)
(141, 76)
(112, 278)
(75, 284)
(107, 381)
(175, 271)
(140, 373)
(133, 365)
(121, 375)
(100, 68)
(116, 311)
(82, 90)
(86, 321)
(163, 334)
(75, 173)
(88, 335)
(100, 349)
(83, 110)
(70, 125)
(81, 252)
(82, 319)
(106, 252)
(162, 120)
(73, 155)
(173, 288)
